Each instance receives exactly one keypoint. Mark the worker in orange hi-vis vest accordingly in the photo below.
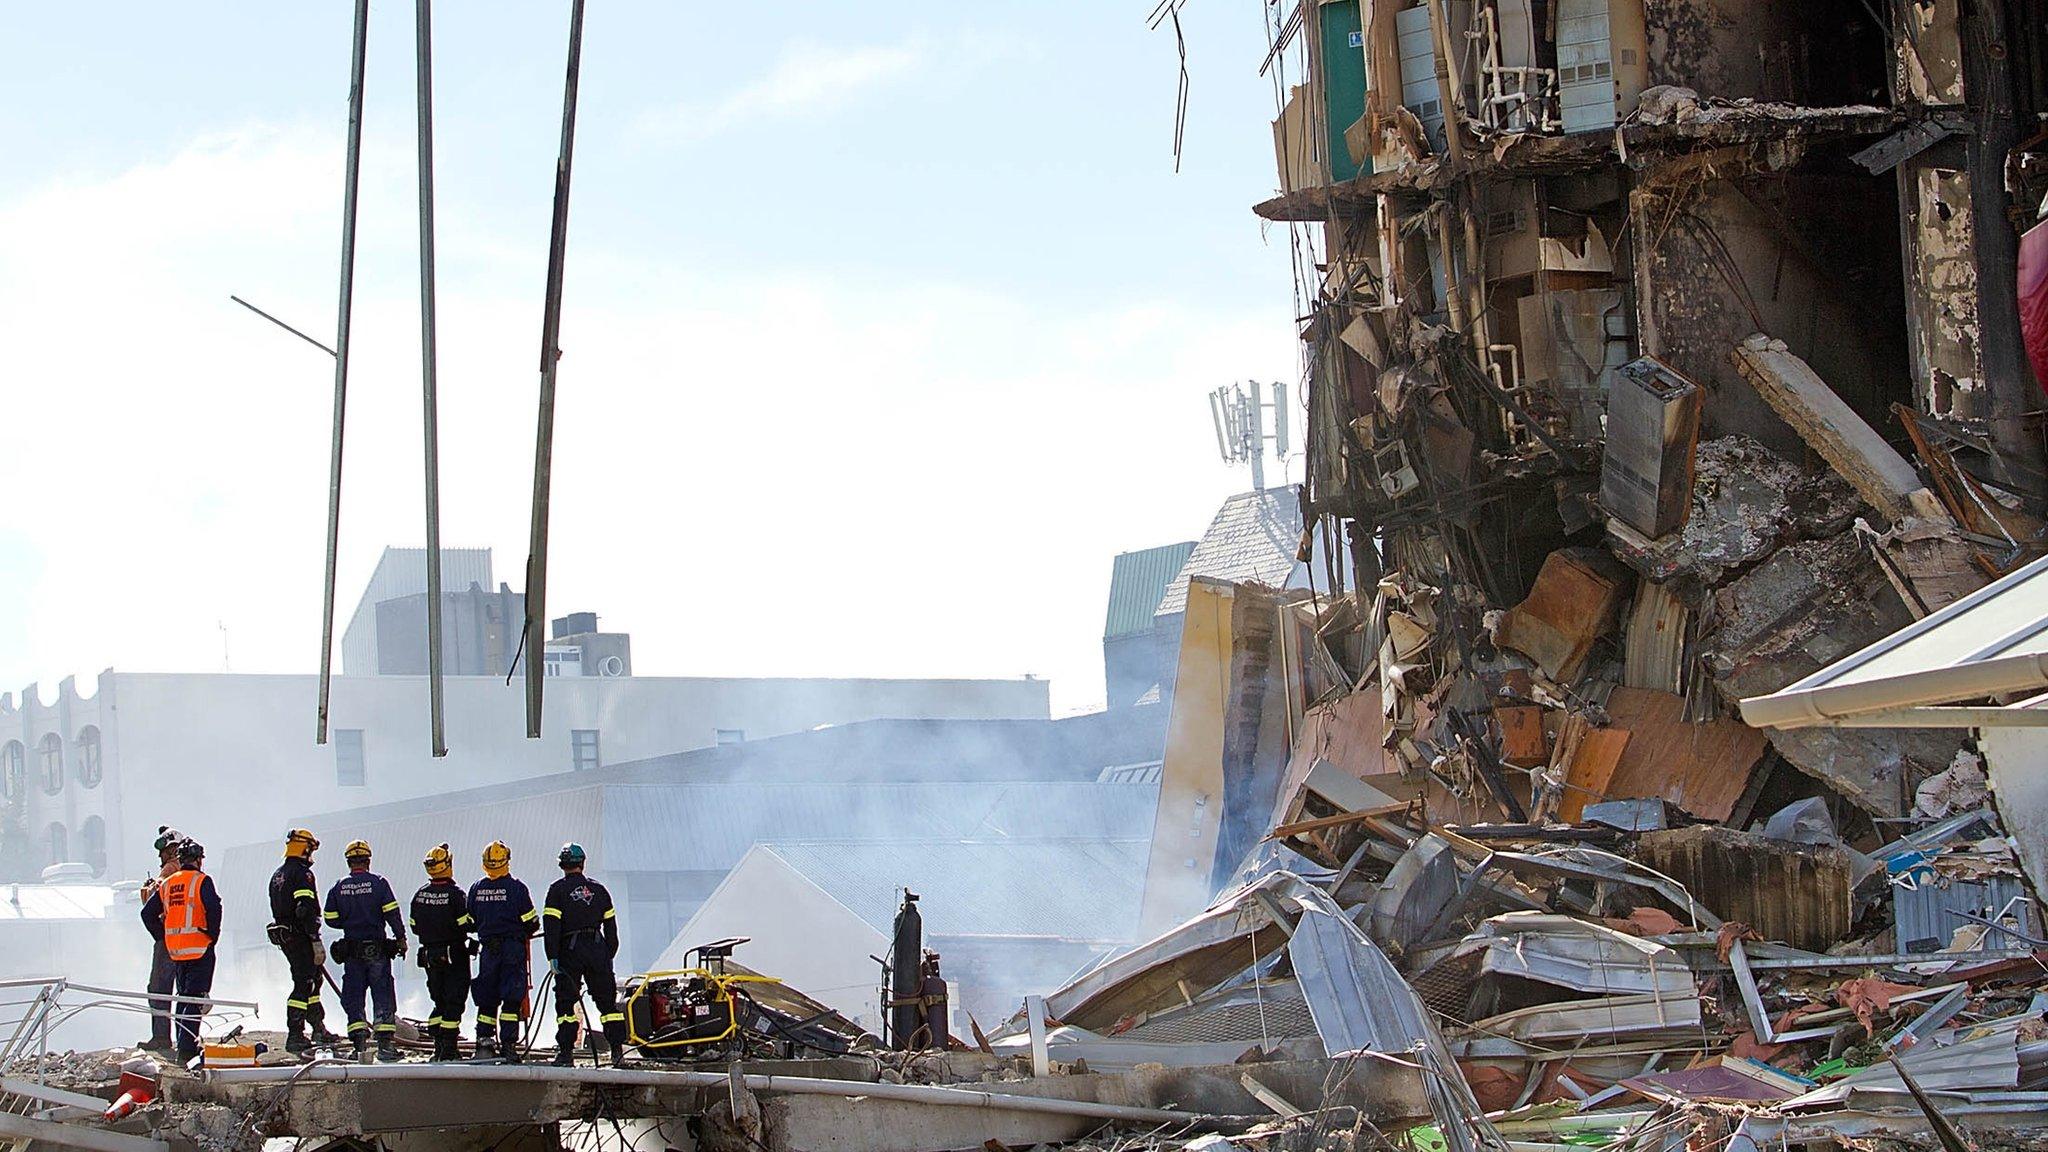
(183, 914)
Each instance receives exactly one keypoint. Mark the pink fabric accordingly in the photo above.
(2034, 300)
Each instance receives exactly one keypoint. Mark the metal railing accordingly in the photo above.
(32, 1008)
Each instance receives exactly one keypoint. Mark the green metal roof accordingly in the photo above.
(1136, 582)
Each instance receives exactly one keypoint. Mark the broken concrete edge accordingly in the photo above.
(764, 1083)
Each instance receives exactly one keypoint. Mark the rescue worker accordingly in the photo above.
(441, 923)
(362, 905)
(581, 934)
(505, 922)
(295, 929)
(184, 915)
(161, 974)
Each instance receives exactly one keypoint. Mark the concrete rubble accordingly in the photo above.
(1671, 357)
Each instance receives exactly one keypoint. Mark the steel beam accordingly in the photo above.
(535, 630)
(351, 180)
(76, 1135)
(423, 12)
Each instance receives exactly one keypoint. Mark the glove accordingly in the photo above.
(319, 953)
(473, 946)
(555, 967)
(396, 949)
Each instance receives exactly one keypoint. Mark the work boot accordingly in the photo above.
(362, 1050)
(565, 1056)
(295, 1040)
(154, 1045)
(486, 1047)
(387, 1049)
(615, 1035)
(318, 1034)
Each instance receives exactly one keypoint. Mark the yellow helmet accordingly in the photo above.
(497, 859)
(300, 843)
(440, 863)
(356, 850)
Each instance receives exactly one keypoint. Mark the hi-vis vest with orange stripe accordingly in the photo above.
(185, 924)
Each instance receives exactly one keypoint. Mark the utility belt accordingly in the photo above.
(502, 943)
(286, 935)
(443, 955)
(577, 936)
(346, 950)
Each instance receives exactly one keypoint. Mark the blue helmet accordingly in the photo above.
(572, 855)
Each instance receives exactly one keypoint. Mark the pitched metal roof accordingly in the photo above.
(1073, 889)
(59, 901)
(1253, 537)
(708, 827)
(1137, 580)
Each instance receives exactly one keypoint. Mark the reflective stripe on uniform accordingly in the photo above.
(313, 1001)
(508, 1017)
(387, 1027)
(391, 907)
(609, 913)
(308, 893)
(331, 914)
(355, 1026)
(435, 1021)
(612, 1018)
(551, 912)
(565, 1019)
(299, 1004)
(526, 916)
(465, 918)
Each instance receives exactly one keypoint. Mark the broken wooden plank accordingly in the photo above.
(1521, 735)
(1280, 1105)
(1320, 823)
(1591, 768)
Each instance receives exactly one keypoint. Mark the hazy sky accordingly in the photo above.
(886, 325)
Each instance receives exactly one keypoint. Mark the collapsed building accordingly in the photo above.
(1657, 354)
(1661, 354)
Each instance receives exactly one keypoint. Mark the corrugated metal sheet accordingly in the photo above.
(1796, 893)
(1273, 1010)
(1654, 652)
(691, 828)
(1071, 889)
(1923, 914)
(1359, 1002)
(1137, 581)
(1253, 537)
